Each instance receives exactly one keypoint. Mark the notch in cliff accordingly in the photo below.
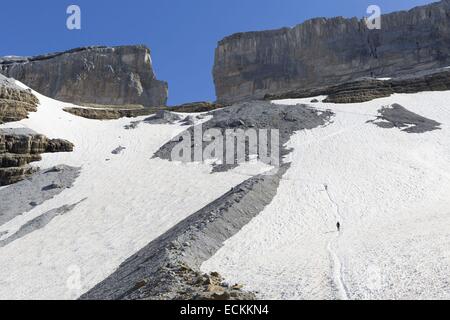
(121, 75)
(324, 52)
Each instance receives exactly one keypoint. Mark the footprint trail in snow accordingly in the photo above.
(332, 245)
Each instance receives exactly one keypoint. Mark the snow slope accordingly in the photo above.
(389, 189)
(130, 199)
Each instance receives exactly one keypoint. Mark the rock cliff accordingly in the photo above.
(19, 147)
(366, 89)
(322, 52)
(15, 103)
(98, 75)
(110, 113)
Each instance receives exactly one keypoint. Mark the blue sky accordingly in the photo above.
(181, 33)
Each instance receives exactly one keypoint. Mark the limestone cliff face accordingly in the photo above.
(15, 103)
(19, 147)
(329, 51)
(96, 75)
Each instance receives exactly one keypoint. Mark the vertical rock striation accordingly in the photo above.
(324, 51)
(91, 75)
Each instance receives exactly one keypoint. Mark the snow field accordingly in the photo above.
(389, 188)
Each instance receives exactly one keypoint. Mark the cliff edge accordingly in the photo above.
(91, 75)
(322, 52)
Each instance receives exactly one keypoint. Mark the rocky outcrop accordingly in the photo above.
(109, 114)
(367, 89)
(163, 117)
(397, 116)
(195, 285)
(113, 113)
(19, 147)
(99, 75)
(34, 191)
(195, 107)
(15, 174)
(322, 52)
(168, 268)
(15, 103)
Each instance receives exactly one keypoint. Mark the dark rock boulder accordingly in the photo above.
(194, 107)
(109, 113)
(58, 145)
